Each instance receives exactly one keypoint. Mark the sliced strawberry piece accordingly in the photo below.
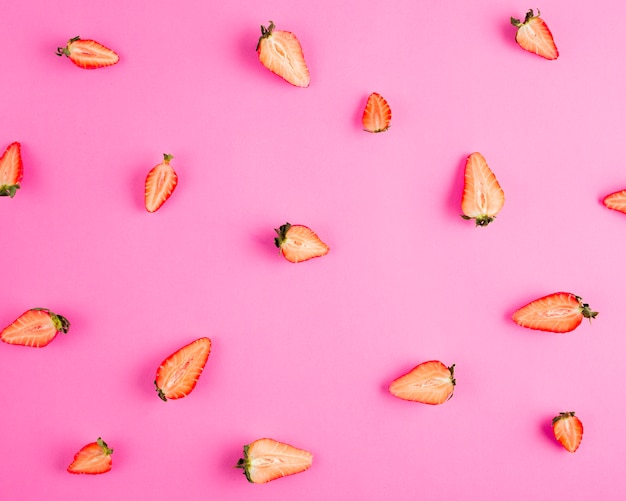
(88, 54)
(377, 114)
(36, 328)
(281, 53)
(483, 197)
(11, 170)
(178, 374)
(559, 312)
(429, 383)
(266, 459)
(534, 35)
(616, 201)
(160, 184)
(568, 430)
(299, 243)
(93, 459)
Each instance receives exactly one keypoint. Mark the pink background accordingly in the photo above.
(304, 353)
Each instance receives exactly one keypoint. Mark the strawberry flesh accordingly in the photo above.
(428, 383)
(299, 243)
(377, 114)
(178, 374)
(281, 53)
(93, 459)
(568, 430)
(560, 312)
(160, 184)
(483, 197)
(35, 328)
(88, 54)
(11, 170)
(533, 35)
(267, 459)
(616, 201)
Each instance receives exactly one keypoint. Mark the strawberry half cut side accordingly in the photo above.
(483, 197)
(560, 312)
(429, 383)
(267, 459)
(568, 430)
(533, 35)
(88, 54)
(35, 328)
(178, 374)
(377, 114)
(11, 170)
(93, 459)
(160, 184)
(616, 201)
(299, 243)
(281, 53)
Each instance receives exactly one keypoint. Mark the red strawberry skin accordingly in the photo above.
(88, 54)
(11, 170)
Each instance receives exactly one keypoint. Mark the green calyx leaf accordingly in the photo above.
(282, 234)
(105, 448)
(562, 415)
(265, 33)
(452, 378)
(9, 190)
(586, 310)
(160, 392)
(483, 220)
(244, 463)
(65, 51)
(167, 157)
(61, 324)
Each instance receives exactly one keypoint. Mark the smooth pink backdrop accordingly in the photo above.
(304, 353)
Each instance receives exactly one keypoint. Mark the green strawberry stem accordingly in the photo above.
(65, 51)
(105, 448)
(562, 415)
(9, 190)
(160, 392)
(586, 310)
(61, 323)
(265, 33)
(282, 234)
(167, 157)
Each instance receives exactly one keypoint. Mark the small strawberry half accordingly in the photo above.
(281, 53)
(266, 459)
(178, 374)
(160, 184)
(429, 383)
(93, 459)
(616, 201)
(11, 170)
(299, 243)
(483, 197)
(377, 114)
(568, 430)
(534, 35)
(36, 328)
(88, 54)
(559, 312)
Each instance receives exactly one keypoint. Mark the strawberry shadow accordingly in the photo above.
(508, 31)
(545, 427)
(263, 240)
(455, 194)
(358, 114)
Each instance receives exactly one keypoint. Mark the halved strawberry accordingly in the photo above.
(88, 54)
(36, 328)
(559, 312)
(377, 114)
(534, 35)
(266, 459)
(281, 53)
(568, 430)
(93, 459)
(160, 184)
(483, 197)
(178, 374)
(616, 201)
(11, 170)
(299, 243)
(429, 383)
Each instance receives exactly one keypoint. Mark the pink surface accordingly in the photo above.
(304, 353)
